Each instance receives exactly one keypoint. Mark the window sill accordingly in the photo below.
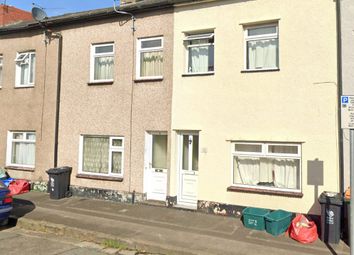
(94, 83)
(148, 79)
(97, 177)
(265, 192)
(260, 70)
(24, 87)
(20, 168)
(198, 74)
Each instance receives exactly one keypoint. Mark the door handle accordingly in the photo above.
(158, 170)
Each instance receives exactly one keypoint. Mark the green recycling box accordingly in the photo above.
(254, 218)
(277, 222)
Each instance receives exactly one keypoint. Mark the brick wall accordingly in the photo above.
(10, 14)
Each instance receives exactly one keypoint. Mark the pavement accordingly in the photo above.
(14, 241)
(154, 229)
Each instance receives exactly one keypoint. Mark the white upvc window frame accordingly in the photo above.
(266, 154)
(194, 37)
(11, 140)
(20, 59)
(1, 69)
(248, 38)
(140, 50)
(111, 150)
(93, 55)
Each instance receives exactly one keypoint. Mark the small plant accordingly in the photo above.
(110, 243)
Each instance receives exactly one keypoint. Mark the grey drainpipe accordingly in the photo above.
(339, 93)
(57, 112)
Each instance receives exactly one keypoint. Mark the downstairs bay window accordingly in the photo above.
(273, 166)
(101, 155)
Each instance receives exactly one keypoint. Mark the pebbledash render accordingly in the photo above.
(114, 114)
(201, 112)
(110, 107)
(28, 72)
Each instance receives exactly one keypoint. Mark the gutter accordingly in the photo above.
(339, 93)
(99, 14)
(81, 17)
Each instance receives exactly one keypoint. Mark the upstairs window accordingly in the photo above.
(25, 69)
(102, 62)
(150, 58)
(1, 72)
(267, 165)
(262, 47)
(200, 53)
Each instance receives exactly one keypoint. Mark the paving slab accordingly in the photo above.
(83, 251)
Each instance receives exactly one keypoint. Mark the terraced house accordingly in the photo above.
(254, 114)
(203, 112)
(109, 95)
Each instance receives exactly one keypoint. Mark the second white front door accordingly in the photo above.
(188, 169)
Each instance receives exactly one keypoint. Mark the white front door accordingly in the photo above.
(155, 173)
(188, 169)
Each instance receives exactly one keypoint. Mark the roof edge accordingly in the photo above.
(78, 17)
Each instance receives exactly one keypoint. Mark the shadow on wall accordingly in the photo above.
(315, 179)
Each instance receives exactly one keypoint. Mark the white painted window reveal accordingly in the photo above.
(25, 69)
(149, 58)
(200, 53)
(21, 149)
(261, 47)
(101, 155)
(275, 166)
(102, 62)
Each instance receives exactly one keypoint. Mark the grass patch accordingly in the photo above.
(110, 243)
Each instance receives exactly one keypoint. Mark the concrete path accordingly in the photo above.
(153, 228)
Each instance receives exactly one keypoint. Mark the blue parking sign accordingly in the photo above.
(345, 100)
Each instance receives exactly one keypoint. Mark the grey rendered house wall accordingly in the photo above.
(29, 108)
(127, 108)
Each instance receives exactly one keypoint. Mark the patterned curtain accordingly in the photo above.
(103, 68)
(96, 154)
(151, 63)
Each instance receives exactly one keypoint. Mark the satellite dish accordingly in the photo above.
(39, 14)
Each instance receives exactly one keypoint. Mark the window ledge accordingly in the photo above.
(261, 70)
(97, 177)
(265, 192)
(198, 74)
(94, 83)
(148, 79)
(24, 87)
(20, 168)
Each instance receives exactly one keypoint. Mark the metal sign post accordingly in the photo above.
(347, 115)
(351, 216)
